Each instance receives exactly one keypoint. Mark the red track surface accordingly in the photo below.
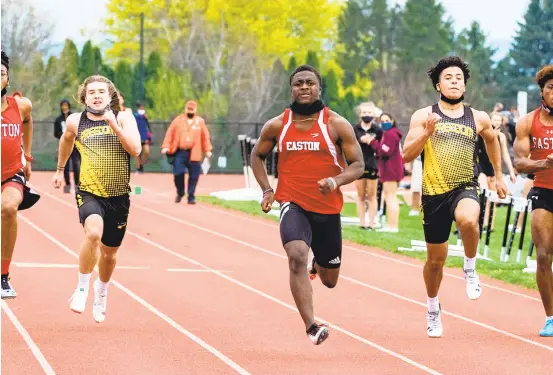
(209, 295)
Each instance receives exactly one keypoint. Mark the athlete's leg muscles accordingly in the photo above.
(329, 276)
(436, 255)
(467, 214)
(11, 199)
(392, 204)
(372, 187)
(361, 186)
(300, 285)
(107, 262)
(542, 235)
(88, 256)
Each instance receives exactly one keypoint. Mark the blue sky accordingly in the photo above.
(82, 20)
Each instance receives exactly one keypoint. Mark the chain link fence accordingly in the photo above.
(224, 138)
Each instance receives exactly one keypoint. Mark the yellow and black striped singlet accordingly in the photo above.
(105, 164)
(449, 155)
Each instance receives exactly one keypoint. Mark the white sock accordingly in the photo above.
(549, 319)
(102, 286)
(84, 281)
(470, 263)
(433, 304)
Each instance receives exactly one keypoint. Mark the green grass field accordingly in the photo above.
(411, 228)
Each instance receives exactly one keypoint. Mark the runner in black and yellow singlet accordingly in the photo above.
(446, 134)
(106, 140)
(105, 165)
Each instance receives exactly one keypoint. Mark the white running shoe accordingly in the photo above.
(474, 290)
(77, 302)
(100, 303)
(434, 326)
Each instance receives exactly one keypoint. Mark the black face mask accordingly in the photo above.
(367, 119)
(98, 112)
(4, 91)
(190, 115)
(307, 109)
(544, 105)
(452, 101)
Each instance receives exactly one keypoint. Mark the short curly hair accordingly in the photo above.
(5, 60)
(447, 62)
(544, 75)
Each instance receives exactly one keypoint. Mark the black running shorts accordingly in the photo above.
(369, 174)
(114, 211)
(438, 212)
(321, 232)
(541, 198)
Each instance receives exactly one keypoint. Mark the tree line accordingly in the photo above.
(235, 59)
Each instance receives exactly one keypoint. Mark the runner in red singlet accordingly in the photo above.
(17, 136)
(318, 153)
(534, 137)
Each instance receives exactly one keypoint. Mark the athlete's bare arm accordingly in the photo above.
(523, 164)
(25, 109)
(67, 139)
(493, 148)
(351, 148)
(126, 129)
(264, 146)
(422, 126)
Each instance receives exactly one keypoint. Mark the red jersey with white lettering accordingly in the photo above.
(542, 145)
(305, 157)
(12, 140)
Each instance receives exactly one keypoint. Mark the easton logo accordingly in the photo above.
(303, 146)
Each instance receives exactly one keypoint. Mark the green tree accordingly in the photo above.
(472, 47)
(530, 51)
(313, 60)
(87, 64)
(422, 38)
(355, 33)
(123, 80)
(292, 65)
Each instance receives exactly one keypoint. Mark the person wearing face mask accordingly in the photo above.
(365, 131)
(60, 124)
(16, 144)
(145, 136)
(186, 137)
(445, 134)
(107, 138)
(390, 168)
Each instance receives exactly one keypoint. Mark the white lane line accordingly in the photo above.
(194, 270)
(148, 306)
(373, 254)
(263, 294)
(255, 247)
(64, 265)
(30, 343)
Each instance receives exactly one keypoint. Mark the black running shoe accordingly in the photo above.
(317, 333)
(7, 290)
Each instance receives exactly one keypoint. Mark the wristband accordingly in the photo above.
(334, 184)
(60, 168)
(29, 157)
(268, 190)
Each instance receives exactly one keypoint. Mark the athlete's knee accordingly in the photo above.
(543, 259)
(93, 232)
(329, 283)
(9, 209)
(435, 264)
(108, 253)
(297, 258)
(468, 223)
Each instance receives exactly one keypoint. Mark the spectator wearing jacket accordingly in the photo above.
(186, 137)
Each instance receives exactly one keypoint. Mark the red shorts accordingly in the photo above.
(19, 182)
